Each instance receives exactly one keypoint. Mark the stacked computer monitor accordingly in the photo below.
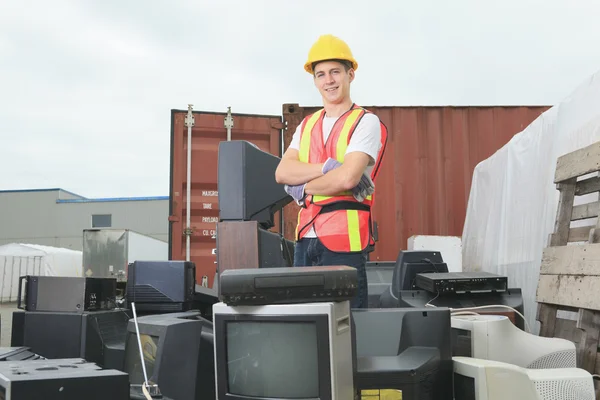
(248, 192)
(284, 333)
(246, 182)
(68, 317)
(405, 290)
(408, 264)
(274, 339)
(67, 341)
(489, 350)
(495, 337)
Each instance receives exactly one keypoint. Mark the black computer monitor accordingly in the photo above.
(246, 184)
(178, 355)
(408, 350)
(412, 262)
(408, 264)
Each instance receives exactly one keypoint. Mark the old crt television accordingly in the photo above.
(246, 184)
(161, 286)
(284, 351)
(496, 338)
(477, 379)
(403, 349)
(178, 355)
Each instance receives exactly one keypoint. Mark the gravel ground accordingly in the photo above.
(6, 310)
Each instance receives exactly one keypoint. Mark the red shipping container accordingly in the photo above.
(208, 131)
(423, 186)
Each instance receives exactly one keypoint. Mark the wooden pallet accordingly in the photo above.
(569, 283)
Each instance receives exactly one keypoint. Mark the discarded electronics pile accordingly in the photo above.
(275, 332)
(278, 333)
(75, 339)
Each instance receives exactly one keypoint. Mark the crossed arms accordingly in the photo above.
(292, 171)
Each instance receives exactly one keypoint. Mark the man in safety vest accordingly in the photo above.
(331, 166)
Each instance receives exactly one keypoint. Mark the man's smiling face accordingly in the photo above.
(332, 79)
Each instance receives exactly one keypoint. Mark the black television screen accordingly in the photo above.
(246, 184)
(276, 360)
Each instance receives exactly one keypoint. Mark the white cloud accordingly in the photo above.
(87, 87)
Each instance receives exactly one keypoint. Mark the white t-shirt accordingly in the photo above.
(366, 138)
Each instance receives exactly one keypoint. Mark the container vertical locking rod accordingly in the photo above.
(189, 122)
(228, 123)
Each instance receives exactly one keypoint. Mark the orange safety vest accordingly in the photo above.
(342, 223)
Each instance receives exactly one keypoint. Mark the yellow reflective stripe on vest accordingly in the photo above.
(298, 223)
(353, 230)
(342, 143)
(318, 198)
(305, 138)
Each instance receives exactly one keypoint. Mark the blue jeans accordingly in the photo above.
(311, 252)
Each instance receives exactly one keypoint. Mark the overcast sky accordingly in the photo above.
(86, 87)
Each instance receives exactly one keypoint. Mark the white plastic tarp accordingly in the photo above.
(17, 259)
(513, 200)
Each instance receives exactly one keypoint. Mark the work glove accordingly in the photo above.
(297, 193)
(364, 188)
(330, 164)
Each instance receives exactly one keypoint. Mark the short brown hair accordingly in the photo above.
(347, 64)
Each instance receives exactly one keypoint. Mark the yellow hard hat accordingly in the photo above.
(329, 47)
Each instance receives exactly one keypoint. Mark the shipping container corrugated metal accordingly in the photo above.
(208, 131)
(425, 178)
(422, 189)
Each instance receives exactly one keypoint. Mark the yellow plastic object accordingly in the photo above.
(148, 348)
(381, 394)
(329, 47)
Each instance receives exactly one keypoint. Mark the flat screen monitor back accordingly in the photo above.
(412, 262)
(246, 184)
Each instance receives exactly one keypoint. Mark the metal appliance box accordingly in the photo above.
(65, 378)
(71, 294)
(108, 252)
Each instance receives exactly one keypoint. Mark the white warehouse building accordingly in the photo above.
(56, 217)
